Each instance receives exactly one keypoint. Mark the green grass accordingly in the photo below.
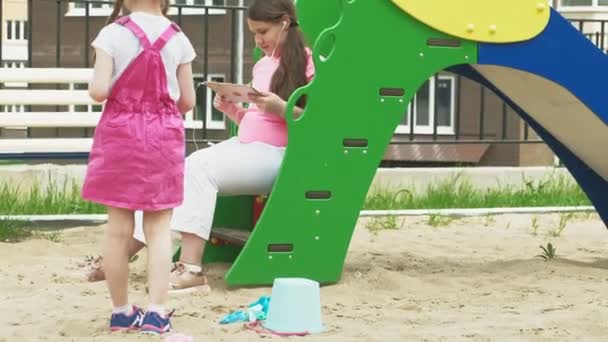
(16, 231)
(436, 220)
(535, 225)
(563, 222)
(454, 193)
(55, 199)
(460, 193)
(377, 224)
(13, 231)
(548, 252)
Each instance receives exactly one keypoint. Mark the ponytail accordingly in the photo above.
(291, 73)
(164, 7)
(118, 4)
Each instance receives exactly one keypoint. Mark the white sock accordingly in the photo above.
(159, 309)
(193, 268)
(122, 310)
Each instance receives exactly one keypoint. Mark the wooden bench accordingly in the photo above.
(52, 148)
(239, 237)
(235, 237)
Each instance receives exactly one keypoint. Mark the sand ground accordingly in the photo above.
(475, 279)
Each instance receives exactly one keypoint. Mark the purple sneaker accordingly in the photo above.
(155, 324)
(132, 321)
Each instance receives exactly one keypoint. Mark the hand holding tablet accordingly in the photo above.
(233, 92)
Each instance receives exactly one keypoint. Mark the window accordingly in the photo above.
(423, 105)
(601, 5)
(14, 65)
(92, 5)
(16, 30)
(79, 9)
(200, 2)
(191, 11)
(83, 108)
(11, 109)
(96, 9)
(577, 3)
(9, 30)
(204, 99)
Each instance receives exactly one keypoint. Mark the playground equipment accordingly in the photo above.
(370, 58)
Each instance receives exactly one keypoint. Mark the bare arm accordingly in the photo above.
(186, 88)
(282, 108)
(99, 86)
(234, 111)
(297, 111)
(272, 103)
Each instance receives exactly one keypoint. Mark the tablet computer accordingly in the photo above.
(233, 92)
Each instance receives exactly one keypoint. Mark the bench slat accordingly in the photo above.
(42, 119)
(63, 119)
(50, 147)
(46, 145)
(46, 75)
(45, 97)
(233, 236)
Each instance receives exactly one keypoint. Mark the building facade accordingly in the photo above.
(459, 108)
(15, 35)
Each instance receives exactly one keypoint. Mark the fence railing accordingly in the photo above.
(91, 14)
(594, 29)
(499, 115)
(62, 148)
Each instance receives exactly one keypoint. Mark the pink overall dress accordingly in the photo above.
(137, 159)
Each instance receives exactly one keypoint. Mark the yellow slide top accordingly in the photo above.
(491, 21)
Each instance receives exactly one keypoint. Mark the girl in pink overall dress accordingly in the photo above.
(137, 159)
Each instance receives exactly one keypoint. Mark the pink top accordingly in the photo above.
(255, 125)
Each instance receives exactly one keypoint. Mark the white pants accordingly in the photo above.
(228, 168)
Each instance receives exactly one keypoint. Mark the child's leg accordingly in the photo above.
(116, 254)
(135, 246)
(158, 238)
(97, 270)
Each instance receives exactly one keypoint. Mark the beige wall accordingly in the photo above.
(13, 10)
(16, 12)
(14, 52)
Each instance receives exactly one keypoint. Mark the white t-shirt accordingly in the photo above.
(122, 45)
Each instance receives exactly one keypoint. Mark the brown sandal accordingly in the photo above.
(181, 280)
(95, 272)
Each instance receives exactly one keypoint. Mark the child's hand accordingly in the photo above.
(269, 102)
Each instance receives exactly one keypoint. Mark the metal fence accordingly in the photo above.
(595, 30)
(178, 12)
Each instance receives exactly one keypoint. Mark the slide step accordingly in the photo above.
(233, 236)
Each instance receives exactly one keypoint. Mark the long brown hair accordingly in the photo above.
(119, 7)
(291, 73)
